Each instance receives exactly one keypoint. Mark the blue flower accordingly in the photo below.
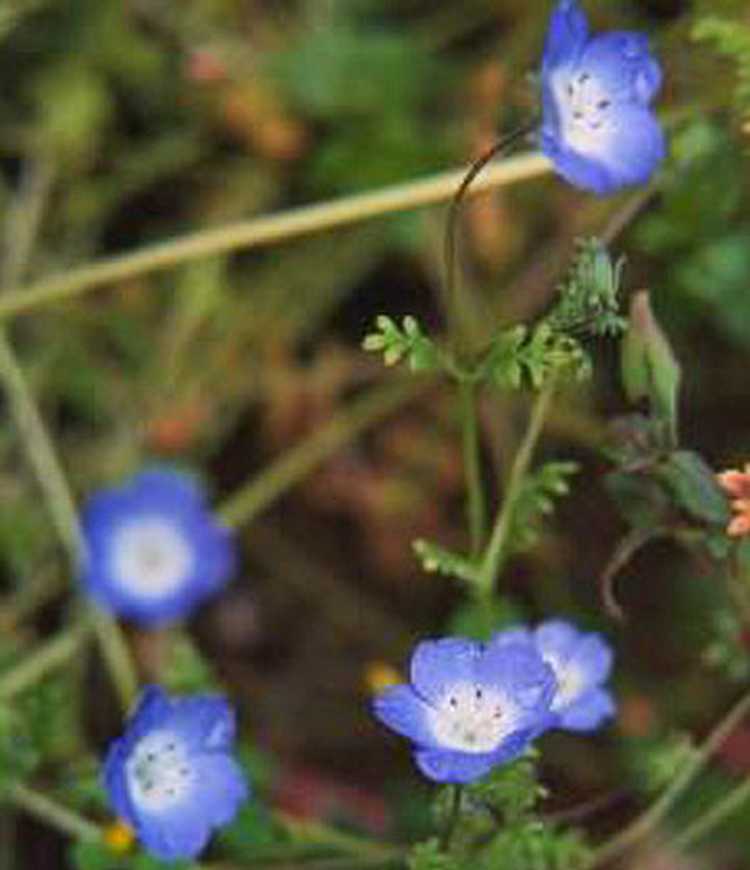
(153, 552)
(597, 125)
(469, 707)
(581, 663)
(171, 776)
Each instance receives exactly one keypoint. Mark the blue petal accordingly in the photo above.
(520, 671)
(566, 36)
(512, 636)
(556, 638)
(628, 154)
(593, 657)
(181, 833)
(178, 498)
(588, 712)
(404, 712)
(623, 65)
(184, 830)
(223, 788)
(436, 665)
(113, 779)
(460, 767)
(207, 723)
(153, 708)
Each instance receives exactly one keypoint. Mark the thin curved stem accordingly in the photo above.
(649, 819)
(265, 231)
(454, 209)
(497, 547)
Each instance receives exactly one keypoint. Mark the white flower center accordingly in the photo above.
(151, 557)
(472, 718)
(585, 109)
(158, 772)
(570, 682)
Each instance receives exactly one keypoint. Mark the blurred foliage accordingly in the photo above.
(124, 124)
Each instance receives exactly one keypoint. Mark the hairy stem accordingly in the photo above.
(497, 547)
(652, 817)
(265, 231)
(475, 505)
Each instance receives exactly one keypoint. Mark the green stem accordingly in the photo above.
(472, 466)
(446, 838)
(497, 547)
(452, 284)
(53, 813)
(298, 462)
(44, 462)
(649, 820)
(266, 231)
(45, 658)
(715, 816)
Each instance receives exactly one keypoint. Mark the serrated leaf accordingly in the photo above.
(407, 342)
(536, 500)
(436, 559)
(511, 791)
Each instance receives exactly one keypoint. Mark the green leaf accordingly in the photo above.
(510, 791)
(640, 499)
(649, 368)
(437, 560)
(693, 485)
(590, 296)
(429, 856)
(537, 500)
(502, 364)
(533, 845)
(516, 356)
(408, 342)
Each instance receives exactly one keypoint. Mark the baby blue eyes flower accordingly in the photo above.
(469, 706)
(153, 552)
(581, 663)
(171, 776)
(597, 127)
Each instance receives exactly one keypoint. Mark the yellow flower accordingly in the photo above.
(381, 675)
(119, 837)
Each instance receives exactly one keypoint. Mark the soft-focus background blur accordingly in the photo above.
(127, 123)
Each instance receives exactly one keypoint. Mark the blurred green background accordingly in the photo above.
(127, 122)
